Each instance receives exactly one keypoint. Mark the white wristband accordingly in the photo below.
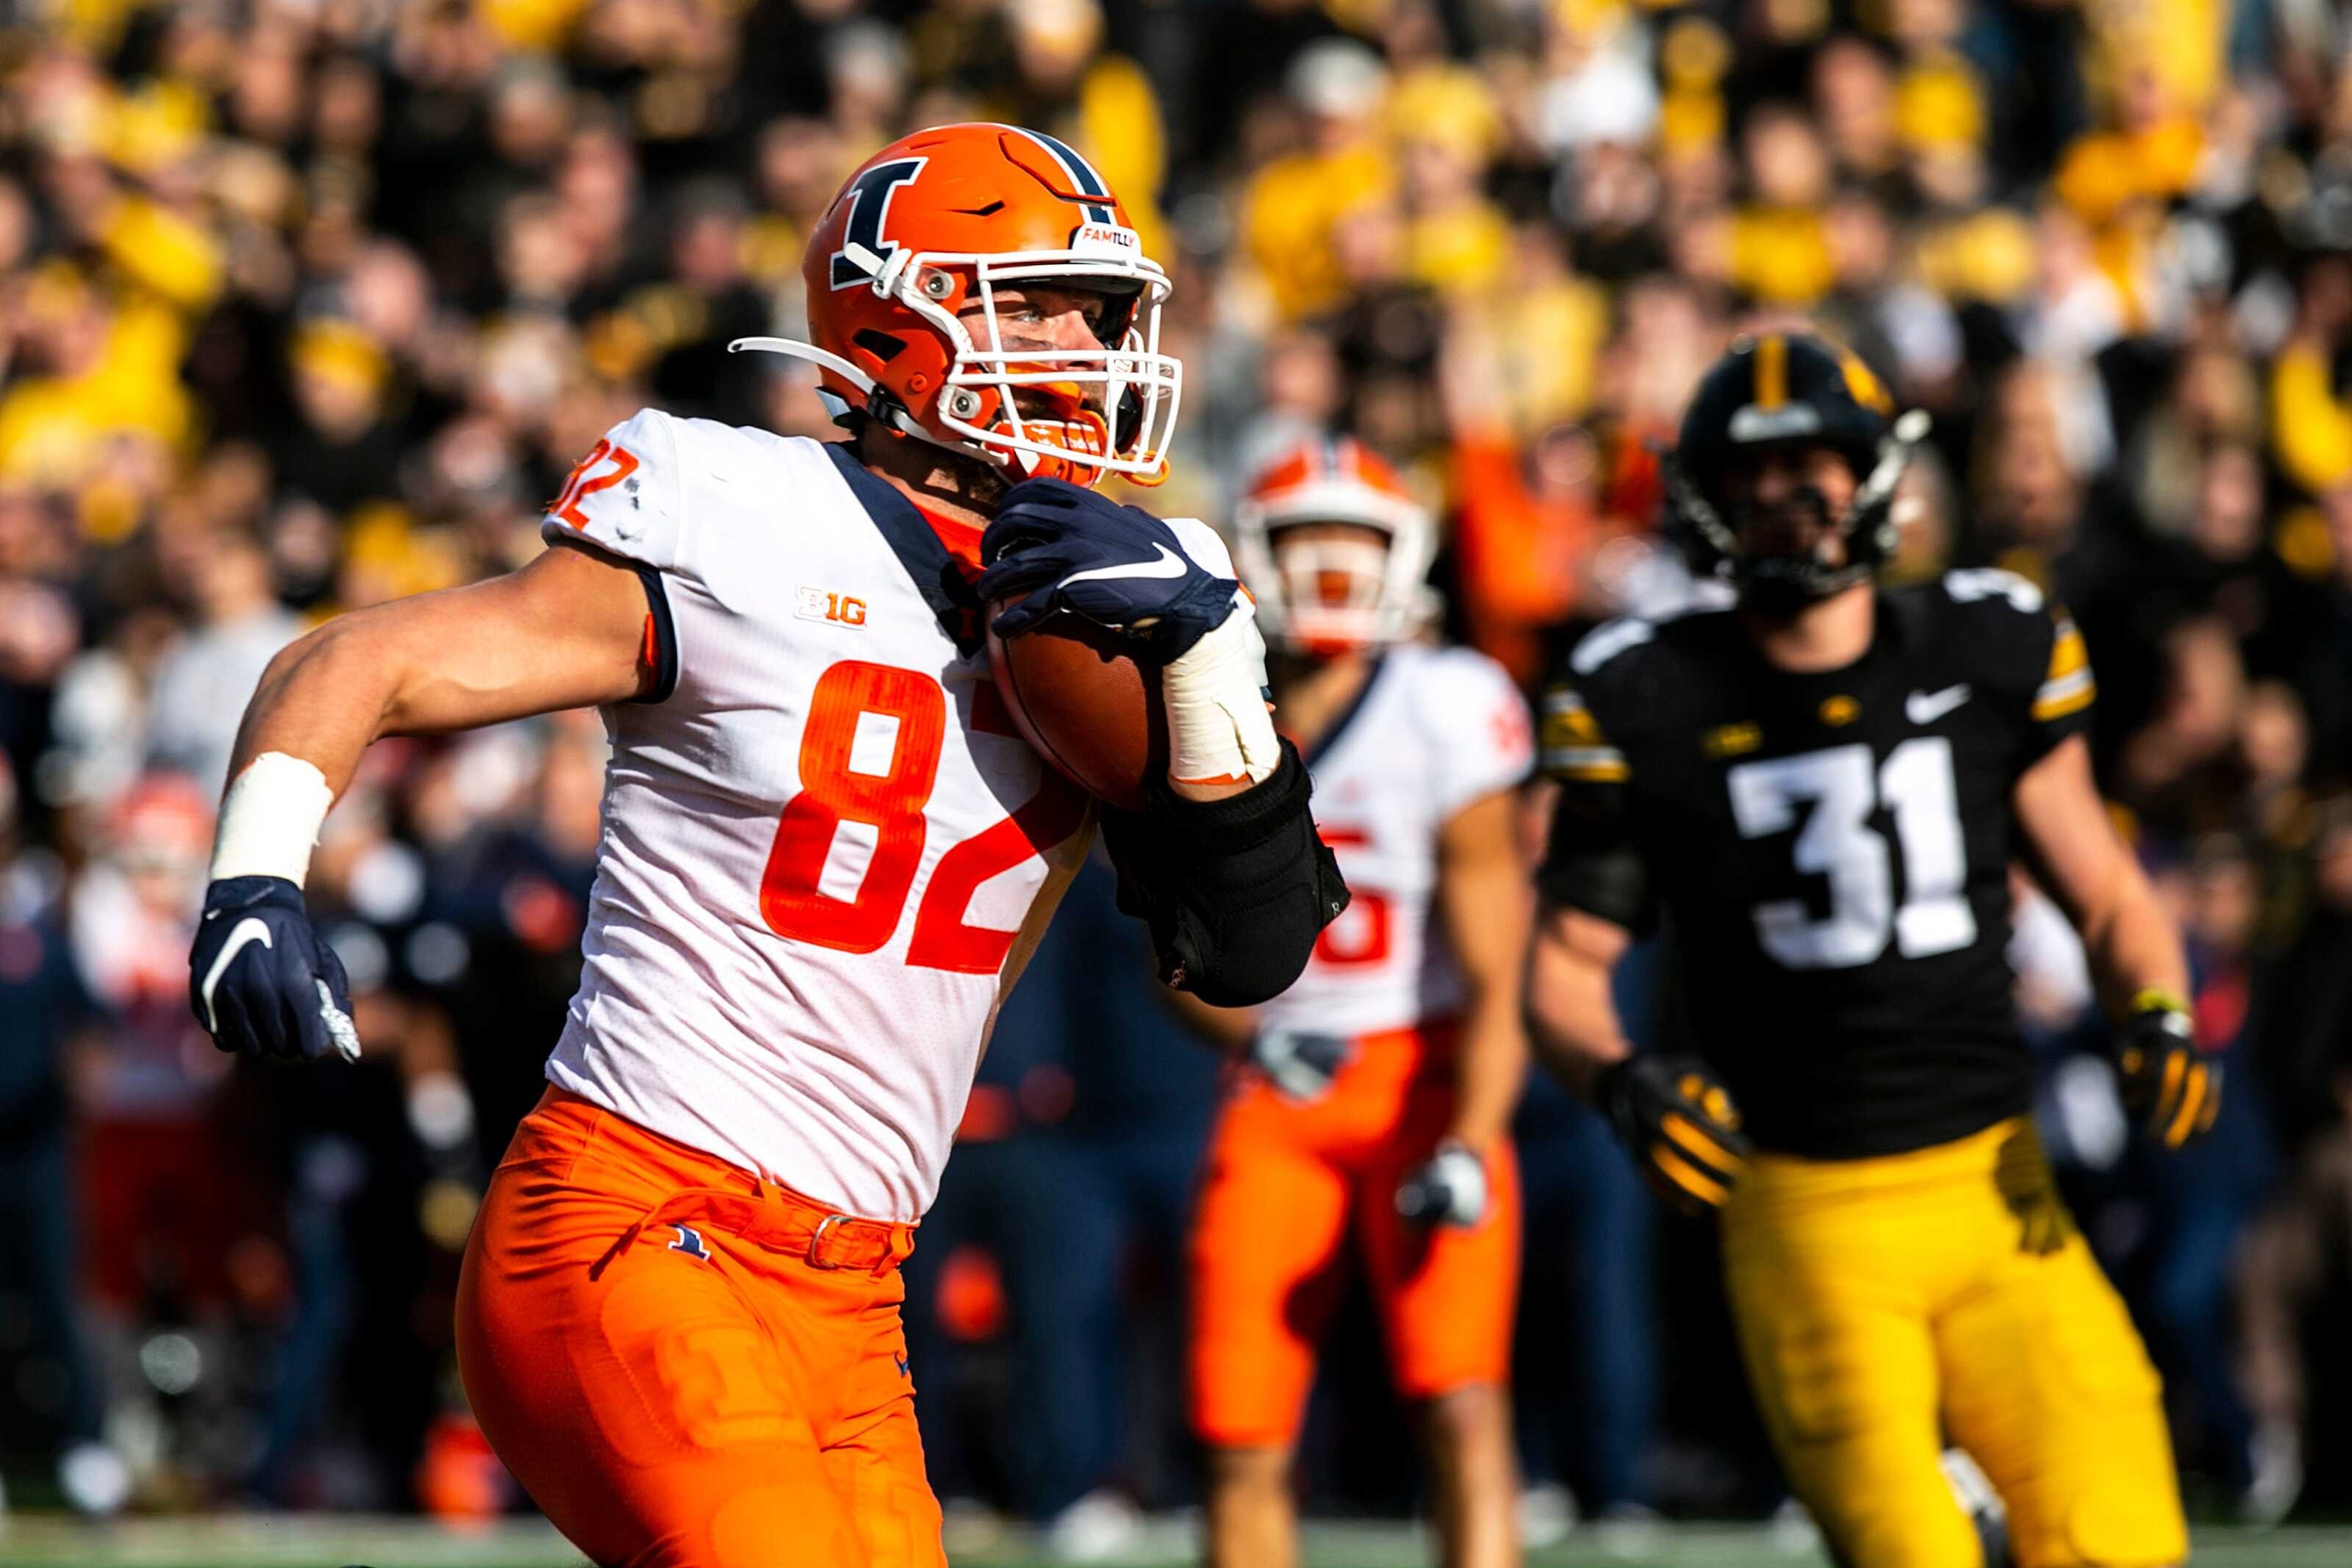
(1219, 731)
(270, 819)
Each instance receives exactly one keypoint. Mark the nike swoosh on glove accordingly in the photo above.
(1056, 549)
(260, 978)
(1448, 1188)
(1300, 1066)
(1677, 1118)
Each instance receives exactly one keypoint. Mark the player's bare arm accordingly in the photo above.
(566, 631)
(2134, 948)
(1670, 1111)
(1573, 1019)
(2080, 860)
(1483, 899)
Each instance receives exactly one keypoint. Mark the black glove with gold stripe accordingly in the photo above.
(2170, 1089)
(1678, 1119)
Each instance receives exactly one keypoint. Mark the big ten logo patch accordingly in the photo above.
(835, 609)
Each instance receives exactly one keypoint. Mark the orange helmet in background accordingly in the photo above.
(944, 217)
(1331, 596)
(161, 818)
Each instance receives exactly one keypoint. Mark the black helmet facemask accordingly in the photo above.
(1785, 581)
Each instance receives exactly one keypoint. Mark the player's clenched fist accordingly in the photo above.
(1678, 1119)
(2167, 1086)
(262, 981)
(1055, 548)
(1447, 1188)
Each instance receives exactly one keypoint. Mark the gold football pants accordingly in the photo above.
(1886, 1304)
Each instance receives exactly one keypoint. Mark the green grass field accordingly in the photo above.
(262, 1541)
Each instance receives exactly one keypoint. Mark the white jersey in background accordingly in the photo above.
(827, 851)
(1432, 731)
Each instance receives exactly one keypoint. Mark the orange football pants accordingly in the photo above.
(685, 1366)
(1288, 1183)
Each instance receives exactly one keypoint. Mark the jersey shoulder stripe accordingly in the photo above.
(2067, 687)
(1572, 744)
(915, 545)
(1972, 585)
(1605, 642)
(2032, 646)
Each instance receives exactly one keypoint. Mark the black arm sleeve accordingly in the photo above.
(1235, 891)
(1591, 861)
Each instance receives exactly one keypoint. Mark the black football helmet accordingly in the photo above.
(1788, 389)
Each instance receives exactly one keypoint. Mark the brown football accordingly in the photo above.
(1087, 707)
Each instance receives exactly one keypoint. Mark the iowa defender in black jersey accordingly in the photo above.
(1824, 788)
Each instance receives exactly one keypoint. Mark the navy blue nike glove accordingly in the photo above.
(1055, 548)
(261, 979)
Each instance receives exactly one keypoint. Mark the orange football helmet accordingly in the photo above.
(1335, 595)
(947, 217)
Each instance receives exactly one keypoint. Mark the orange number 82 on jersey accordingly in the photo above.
(892, 803)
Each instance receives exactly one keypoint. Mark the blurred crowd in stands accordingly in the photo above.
(306, 304)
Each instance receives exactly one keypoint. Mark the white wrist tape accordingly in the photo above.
(270, 819)
(1219, 731)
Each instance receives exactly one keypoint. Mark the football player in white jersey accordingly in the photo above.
(1373, 1122)
(827, 850)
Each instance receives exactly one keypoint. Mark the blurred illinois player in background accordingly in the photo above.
(1823, 788)
(826, 850)
(1374, 1120)
(47, 1012)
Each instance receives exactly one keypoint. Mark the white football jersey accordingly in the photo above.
(1432, 730)
(826, 850)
